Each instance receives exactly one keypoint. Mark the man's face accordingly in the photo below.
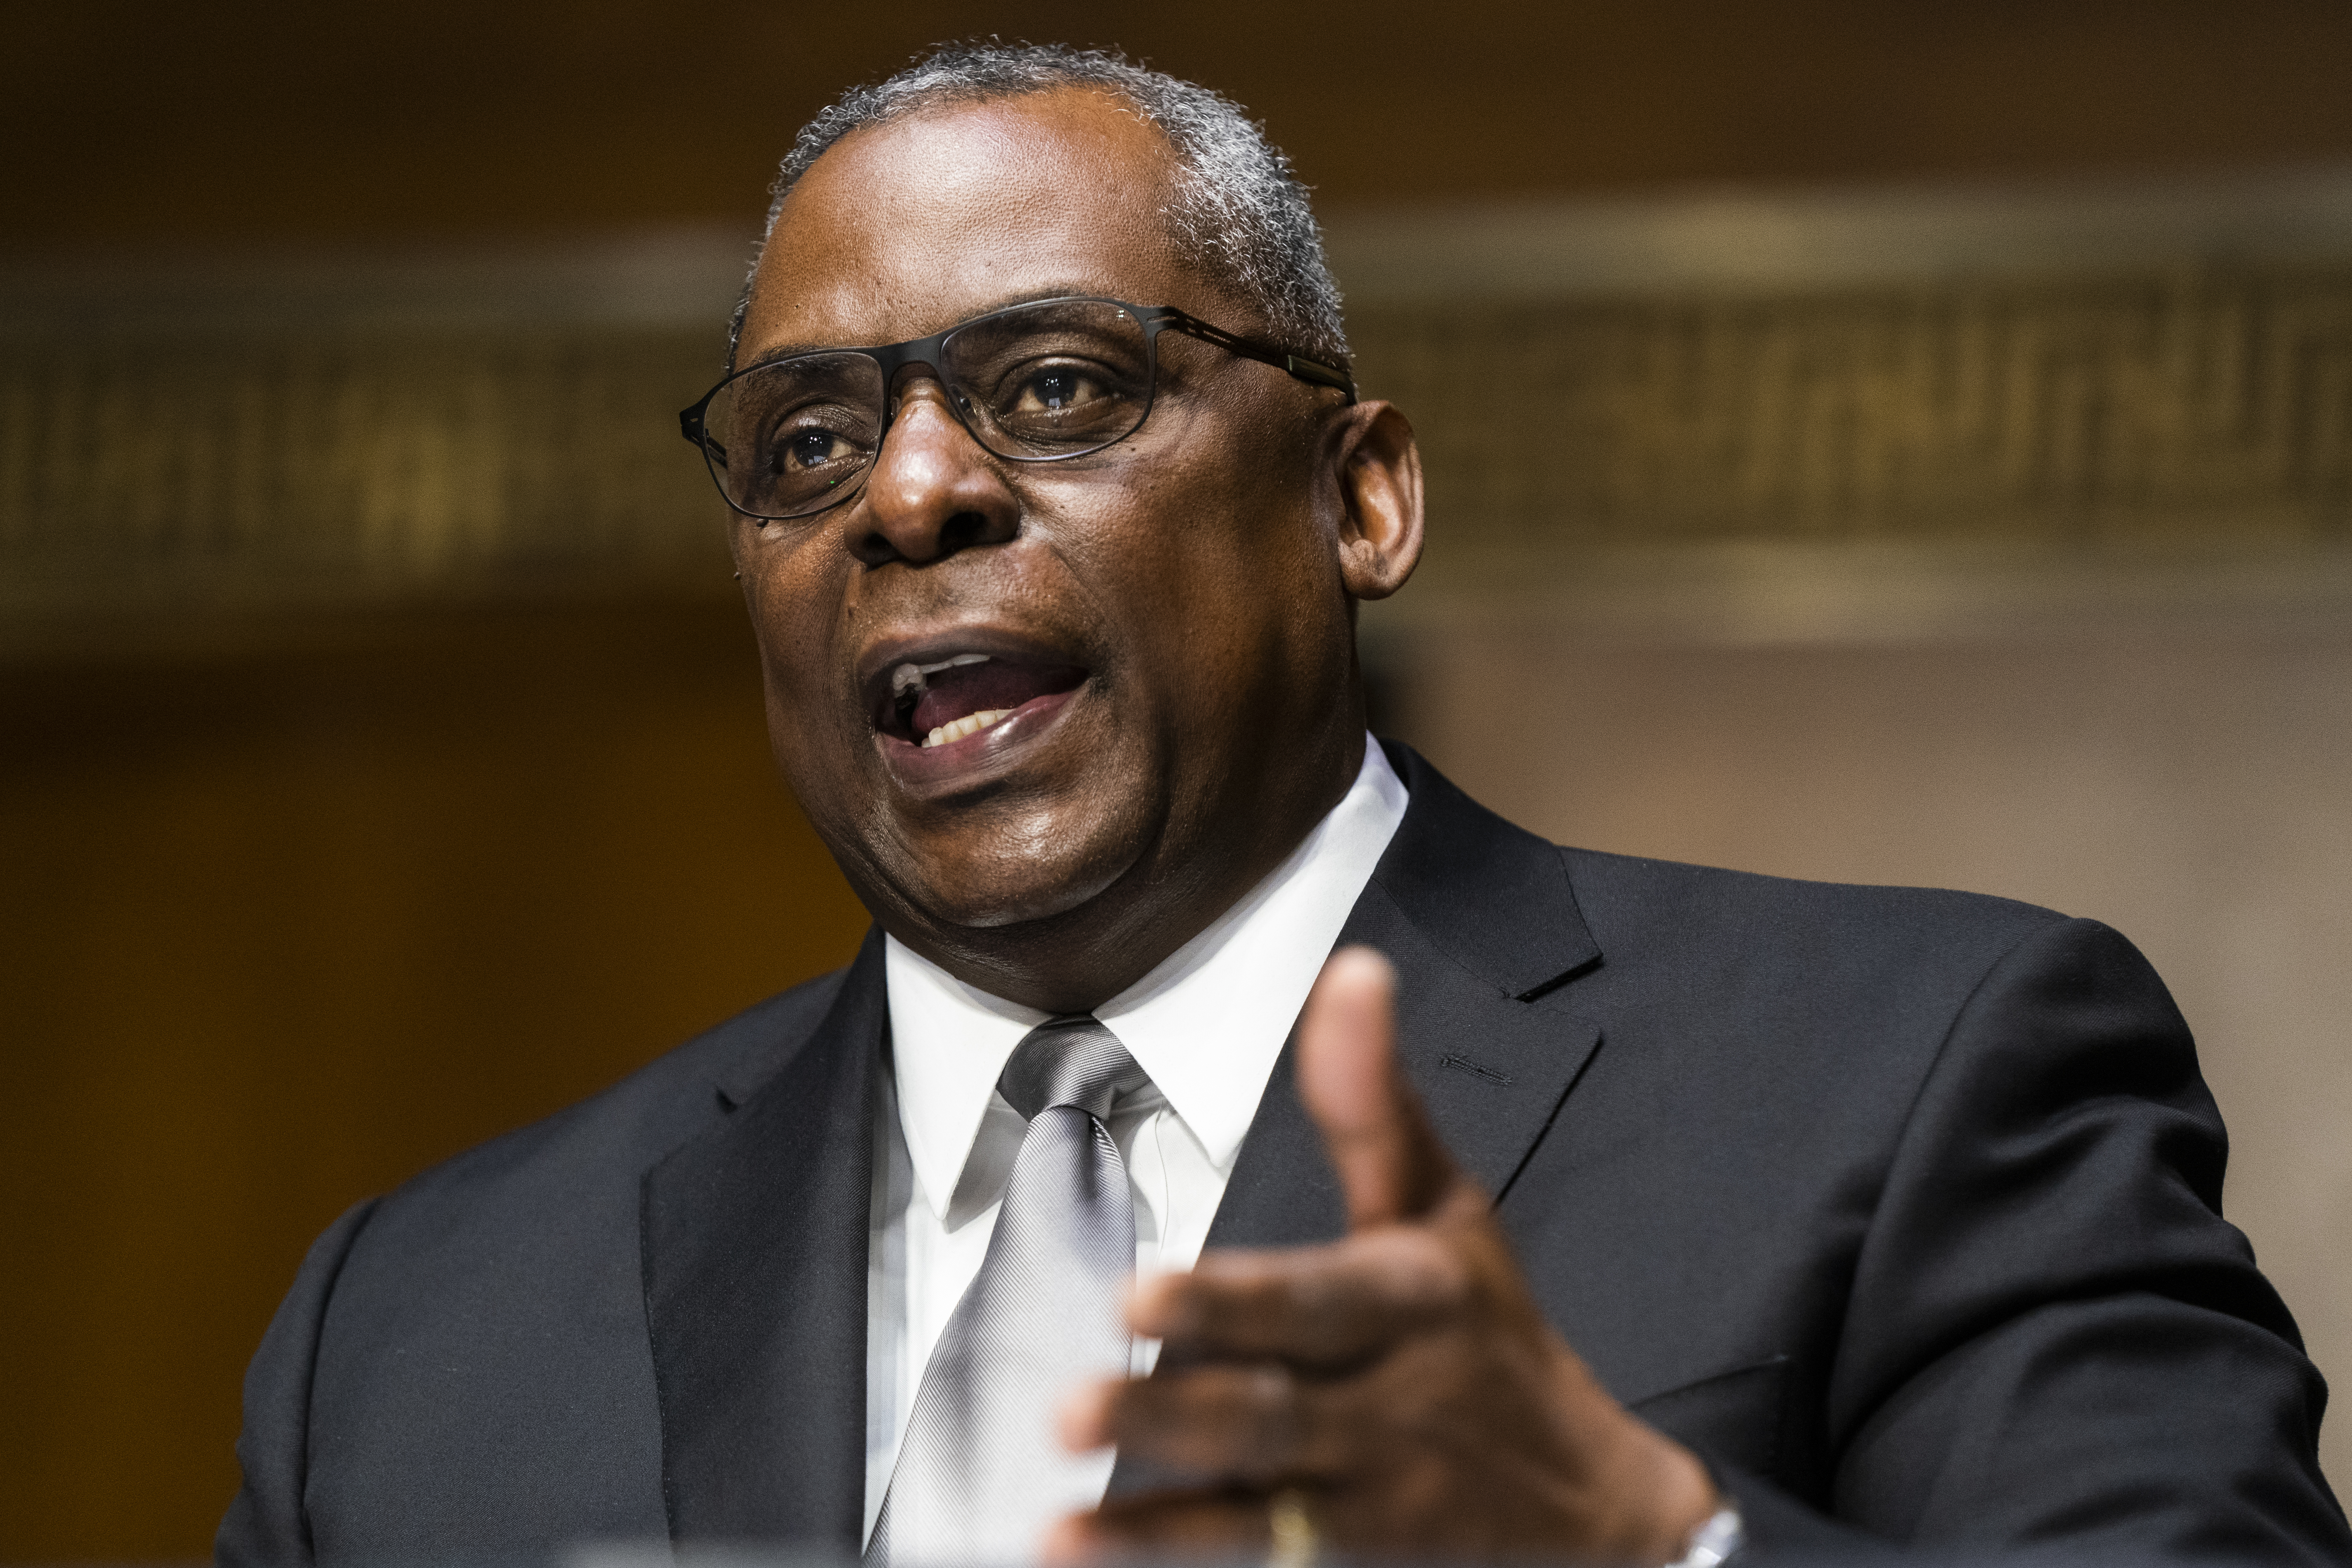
(1165, 620)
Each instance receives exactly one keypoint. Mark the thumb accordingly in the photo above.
(1390, 1164)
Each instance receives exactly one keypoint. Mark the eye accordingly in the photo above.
(1055, 389)
(810, 447)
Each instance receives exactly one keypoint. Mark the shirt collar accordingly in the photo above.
(1207, 1024)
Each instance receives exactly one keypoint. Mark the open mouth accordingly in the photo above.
(939, 703)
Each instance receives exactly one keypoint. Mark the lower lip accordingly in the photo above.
(927, 768)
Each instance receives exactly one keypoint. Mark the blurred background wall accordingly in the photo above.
(1892, 442)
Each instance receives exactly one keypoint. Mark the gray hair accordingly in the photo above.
(1237, 208)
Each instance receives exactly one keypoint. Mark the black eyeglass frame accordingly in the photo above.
(894, 357)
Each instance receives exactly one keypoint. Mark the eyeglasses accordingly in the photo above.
(1039, 383)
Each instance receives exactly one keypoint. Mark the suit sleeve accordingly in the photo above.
(2052, 1335)
(267, 1524)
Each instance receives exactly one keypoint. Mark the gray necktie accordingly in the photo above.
(981, 1475)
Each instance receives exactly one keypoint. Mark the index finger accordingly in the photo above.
(1323, 1307)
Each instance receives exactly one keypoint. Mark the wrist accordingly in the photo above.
(1718, 1537)
(1688, 1499)
(1666, 1496)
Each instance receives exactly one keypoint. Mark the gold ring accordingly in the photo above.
(1295, 1542)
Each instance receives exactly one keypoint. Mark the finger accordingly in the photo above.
(1082, 1420)
(1391, 1165)
(1250, 1424)
(1314, 1306)
(1209, 1521)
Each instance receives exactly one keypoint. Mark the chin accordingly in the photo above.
(984, 873)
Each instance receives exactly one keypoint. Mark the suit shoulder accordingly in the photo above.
(623, 1128)
(1633, 897)
(1895, 963)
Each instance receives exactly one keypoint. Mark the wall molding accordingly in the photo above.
(2121, 366)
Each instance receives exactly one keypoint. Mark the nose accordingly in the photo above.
(933, 491)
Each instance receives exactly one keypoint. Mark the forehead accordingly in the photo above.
(907, 226)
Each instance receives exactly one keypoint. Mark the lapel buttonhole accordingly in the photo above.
(1464, 1064)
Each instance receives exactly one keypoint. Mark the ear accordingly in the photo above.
(1380, 495)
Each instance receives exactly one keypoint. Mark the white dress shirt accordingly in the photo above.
(1206, 1025)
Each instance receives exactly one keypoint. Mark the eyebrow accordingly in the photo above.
(1023, 296)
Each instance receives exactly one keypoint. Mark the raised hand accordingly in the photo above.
(1400, 1386)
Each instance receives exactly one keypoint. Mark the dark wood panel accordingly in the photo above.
(282, 927)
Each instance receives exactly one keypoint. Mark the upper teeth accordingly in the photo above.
(970, 723)
(910, 678)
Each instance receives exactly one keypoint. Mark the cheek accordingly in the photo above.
(797, 593)
(1229, 583)
(1209, 527)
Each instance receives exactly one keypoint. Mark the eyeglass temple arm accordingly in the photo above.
(1299, 366)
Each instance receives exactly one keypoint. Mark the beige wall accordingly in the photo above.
(2179, 770)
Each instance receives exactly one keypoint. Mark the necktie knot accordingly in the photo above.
(1069, 1061)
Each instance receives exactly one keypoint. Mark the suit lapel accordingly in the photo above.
(1480, 921)
(1483, 927)
(754, 1241)
(1491, 1067)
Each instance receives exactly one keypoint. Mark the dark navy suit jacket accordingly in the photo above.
(1901, 1207)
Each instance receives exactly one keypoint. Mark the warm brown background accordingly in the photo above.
(286, 913)
(130, 120)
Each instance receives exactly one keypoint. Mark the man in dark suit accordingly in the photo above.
(1869, 1214)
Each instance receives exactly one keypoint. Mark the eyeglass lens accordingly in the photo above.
(1033, 383)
